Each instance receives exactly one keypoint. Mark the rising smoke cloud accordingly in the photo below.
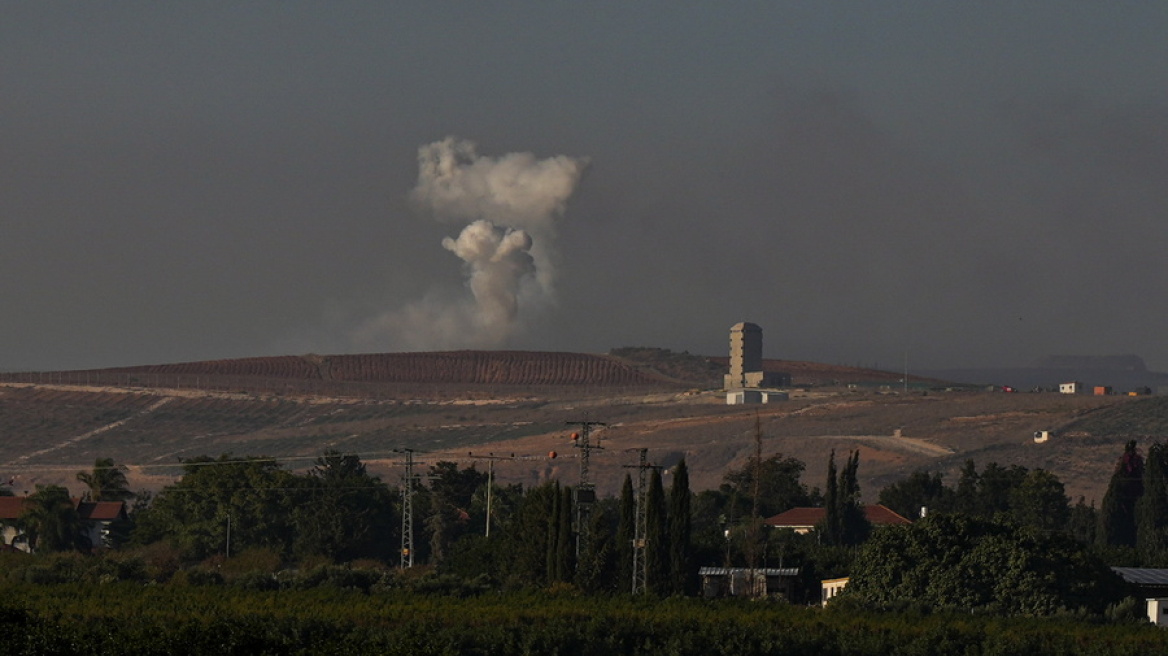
(508, 206)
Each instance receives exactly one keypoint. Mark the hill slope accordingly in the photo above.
(283, 407)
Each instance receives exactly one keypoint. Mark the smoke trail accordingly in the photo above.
(509, 206)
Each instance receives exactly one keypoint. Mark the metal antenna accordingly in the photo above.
(407, 531)
(585, 494)
(755, 522)
(641, 530)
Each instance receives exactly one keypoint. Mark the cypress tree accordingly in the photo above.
(682, 577)
(1117, 517)
(625, 532)
(527, 543)
(831, 520)
(656, 537)
(1152, 507)
(565, 540)
(854, 526)
(552, 543)
(967, 498)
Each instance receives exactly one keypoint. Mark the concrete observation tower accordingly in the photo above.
(747, 382)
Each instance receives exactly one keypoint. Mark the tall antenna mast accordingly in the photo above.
(641, 523)
(407, 531)
(755, 522)
(585, 494)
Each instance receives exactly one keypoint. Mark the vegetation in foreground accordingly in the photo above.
(129, 618)
(996, 569)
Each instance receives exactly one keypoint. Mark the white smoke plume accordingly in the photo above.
(509, 206)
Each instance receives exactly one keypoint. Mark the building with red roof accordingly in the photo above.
(95, 516)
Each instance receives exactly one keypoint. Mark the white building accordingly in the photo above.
(831, 588)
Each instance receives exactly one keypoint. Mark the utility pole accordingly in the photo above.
(490, 458)
(641, 529)
(585, 493)
(755, 520)
(407, 531)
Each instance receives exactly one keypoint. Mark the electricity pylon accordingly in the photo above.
(407, 531)
(585, 494)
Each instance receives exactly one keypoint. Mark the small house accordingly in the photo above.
(96, 518)
(1073, 387)
(1151, 584)
(803, 520)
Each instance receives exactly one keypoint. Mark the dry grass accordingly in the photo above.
(51, 431)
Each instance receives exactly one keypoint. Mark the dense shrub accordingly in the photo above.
(127, 618)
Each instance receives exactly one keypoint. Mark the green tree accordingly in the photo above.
(779, 486)
(656, 537)
(854, 526)
(596, 569)
(1152, 507)
(106, 482)
(626, 529)
(456, 487)
(249, 500)
(564, 554)
(962, 563)
(1082, 521)
(552, 530)
(710, 520)
(1117, 515)
(346, 513)
(527, 540)
(1040, 502)
(452, 492)
(50, 521)
(966, 495)
(995, 488)
(831, 531)
(920, 490)
(844, 522)
(683, 576)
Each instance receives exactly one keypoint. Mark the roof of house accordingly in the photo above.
(1143, 576)
(99, 511)
(11, 507)
(809, 517)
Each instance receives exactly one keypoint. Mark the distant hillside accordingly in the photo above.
(1146, 417)
(368, 374)
(373, 374)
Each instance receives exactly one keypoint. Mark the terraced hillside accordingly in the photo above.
(447, 368)
(438, 374)
(151, 418)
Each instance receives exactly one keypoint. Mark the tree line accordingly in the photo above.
(337, 512)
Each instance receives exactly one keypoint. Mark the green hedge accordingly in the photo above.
(132, 618)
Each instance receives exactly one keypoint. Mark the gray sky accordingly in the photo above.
(970, 183)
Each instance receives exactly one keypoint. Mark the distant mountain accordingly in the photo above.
(1123, 373)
